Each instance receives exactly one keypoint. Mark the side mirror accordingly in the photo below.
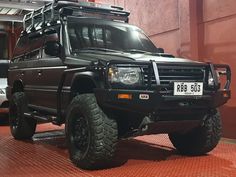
(53, 48)
(160, 50)
(35, 35)
(50, 31)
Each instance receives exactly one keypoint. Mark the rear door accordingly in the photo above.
(31, 63)
(18, 64)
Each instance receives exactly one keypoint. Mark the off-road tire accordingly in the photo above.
(202, 139)
(102, 133)
(21, 127)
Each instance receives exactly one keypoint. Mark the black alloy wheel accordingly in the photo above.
(91, 136)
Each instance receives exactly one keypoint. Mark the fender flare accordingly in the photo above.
(83, 76)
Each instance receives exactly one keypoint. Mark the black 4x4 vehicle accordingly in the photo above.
(81, 64)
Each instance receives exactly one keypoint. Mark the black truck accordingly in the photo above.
(82, 64)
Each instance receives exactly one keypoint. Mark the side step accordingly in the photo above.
(34, 115)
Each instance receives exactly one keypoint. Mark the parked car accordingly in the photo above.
(4, 65)
(82, 64)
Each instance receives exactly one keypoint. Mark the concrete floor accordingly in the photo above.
(147, 156)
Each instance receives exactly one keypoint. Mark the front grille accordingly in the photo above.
(170, 74)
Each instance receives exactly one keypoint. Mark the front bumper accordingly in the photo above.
(157, 103)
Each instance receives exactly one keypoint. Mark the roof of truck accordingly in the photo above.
(52, 12)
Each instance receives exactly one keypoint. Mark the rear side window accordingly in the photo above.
(36, 44)
(3, 46)
(21, 48)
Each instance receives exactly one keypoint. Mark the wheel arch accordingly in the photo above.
(83, 83)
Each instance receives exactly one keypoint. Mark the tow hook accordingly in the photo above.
(184, 104)
(144, 125)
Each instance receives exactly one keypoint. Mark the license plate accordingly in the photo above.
(188, 88)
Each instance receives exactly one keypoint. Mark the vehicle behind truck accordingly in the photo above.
(4, 64)
(82, 65)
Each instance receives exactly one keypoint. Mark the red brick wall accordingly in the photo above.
(217, 41)
(199, 29)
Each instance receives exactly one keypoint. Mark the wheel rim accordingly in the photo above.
(80, 135)
(14, 118)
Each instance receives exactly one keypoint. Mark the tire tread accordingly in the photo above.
(104, 133)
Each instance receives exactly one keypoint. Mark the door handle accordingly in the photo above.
(22, 73)
(39, 72)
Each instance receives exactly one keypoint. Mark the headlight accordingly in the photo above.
(2, 91)
(125, 75)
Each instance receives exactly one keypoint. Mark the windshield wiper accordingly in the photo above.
(96, 49)
(149, 53)
(163, 55)
(136, 51)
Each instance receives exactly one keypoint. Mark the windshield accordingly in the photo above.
(109, 37)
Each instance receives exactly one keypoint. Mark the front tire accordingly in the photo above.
(91, 136)
(202, 139)
(21, 127)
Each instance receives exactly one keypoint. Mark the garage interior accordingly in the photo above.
(203, 30)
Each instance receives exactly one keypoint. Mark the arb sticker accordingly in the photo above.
(144, 97)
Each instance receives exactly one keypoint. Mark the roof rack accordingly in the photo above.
(52, 12)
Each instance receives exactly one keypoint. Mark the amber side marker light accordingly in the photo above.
(225, 94)
(125, 96)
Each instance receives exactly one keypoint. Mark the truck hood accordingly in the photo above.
(108, 56)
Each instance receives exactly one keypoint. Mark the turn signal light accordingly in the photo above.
(125, 96)
(225, 94)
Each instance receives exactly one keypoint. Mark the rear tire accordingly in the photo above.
(21, 127)
(91, 136)
(202, 139)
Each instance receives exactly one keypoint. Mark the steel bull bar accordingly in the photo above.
(216, 70)
(221, 69)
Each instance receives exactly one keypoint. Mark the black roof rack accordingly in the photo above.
(52, 12)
